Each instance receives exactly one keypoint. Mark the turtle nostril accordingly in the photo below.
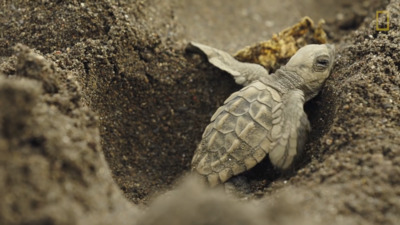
(331, 48)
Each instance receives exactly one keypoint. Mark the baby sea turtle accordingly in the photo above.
(266, 117)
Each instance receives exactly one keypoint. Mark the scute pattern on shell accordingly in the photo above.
(239, 135)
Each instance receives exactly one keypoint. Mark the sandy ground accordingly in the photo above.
(101, 110)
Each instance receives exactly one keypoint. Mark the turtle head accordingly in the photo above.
(314, 64)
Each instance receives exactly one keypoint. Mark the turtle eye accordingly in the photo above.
(321, 63)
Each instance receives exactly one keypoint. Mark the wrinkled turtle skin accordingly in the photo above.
(266, 117)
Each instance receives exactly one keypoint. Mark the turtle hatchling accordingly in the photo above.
(265, 117)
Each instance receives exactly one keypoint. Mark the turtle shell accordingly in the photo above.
(239, 135)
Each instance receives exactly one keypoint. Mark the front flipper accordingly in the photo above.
(290, 129)
(243, 73)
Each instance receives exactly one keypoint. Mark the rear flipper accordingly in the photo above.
(238, 186)
(243, 73)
